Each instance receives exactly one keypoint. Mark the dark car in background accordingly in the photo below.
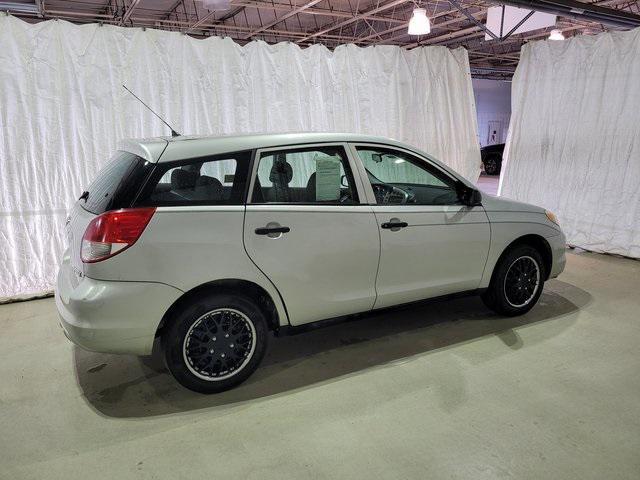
(492, 158)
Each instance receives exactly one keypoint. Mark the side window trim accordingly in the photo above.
(303, 146)
(371, 199)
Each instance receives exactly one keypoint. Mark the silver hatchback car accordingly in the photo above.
(211, 243)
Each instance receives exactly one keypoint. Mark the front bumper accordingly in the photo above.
(558, 244)
(108, 316)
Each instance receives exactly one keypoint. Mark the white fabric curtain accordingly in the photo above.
(574, 140)
(62, 111)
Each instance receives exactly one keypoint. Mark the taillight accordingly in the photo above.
(112, 232)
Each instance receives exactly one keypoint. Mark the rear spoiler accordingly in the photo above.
(150, 149)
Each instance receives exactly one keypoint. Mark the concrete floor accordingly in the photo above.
(441, 391)
(488, 183)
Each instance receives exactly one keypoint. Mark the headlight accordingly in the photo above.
(552, 216)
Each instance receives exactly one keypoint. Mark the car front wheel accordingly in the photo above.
(517, 282)
(215, 343)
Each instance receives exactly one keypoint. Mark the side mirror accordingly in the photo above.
(376, 157)
(343, 181)
(468, 196)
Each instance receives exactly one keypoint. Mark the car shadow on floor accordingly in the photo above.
(126, 386)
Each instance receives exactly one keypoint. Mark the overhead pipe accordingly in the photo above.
(19, 7)
(580, 11)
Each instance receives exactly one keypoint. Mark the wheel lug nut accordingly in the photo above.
(211, 351)
(222, 355)
(231, 345)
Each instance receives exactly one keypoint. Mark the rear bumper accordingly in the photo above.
(111, 317)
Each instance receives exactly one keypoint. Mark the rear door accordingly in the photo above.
(308, 229)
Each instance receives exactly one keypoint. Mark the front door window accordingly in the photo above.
(398, 177)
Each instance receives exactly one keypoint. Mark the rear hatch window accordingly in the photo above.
(115, 185)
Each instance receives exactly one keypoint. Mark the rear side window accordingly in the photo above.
(310, 175)
(115, 185)
(215, 180)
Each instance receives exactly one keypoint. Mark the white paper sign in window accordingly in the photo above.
(327, 178)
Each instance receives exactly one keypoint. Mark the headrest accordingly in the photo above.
(206, 180)
(281, 173)
(208, 188)
(181, 179)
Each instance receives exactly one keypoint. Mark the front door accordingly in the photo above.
(431, 245)
(308, 231)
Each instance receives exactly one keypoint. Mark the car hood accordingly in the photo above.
(501, 204)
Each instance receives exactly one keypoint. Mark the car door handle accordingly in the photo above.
(394, 225)
(268, 230)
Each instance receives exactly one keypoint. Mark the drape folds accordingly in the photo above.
(574, 141)
(62, 111)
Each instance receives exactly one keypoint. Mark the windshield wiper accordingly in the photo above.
(84, 196)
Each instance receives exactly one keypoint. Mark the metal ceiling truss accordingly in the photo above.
(455, 23)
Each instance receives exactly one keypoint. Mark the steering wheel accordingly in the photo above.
(388, 194)
(345, 196)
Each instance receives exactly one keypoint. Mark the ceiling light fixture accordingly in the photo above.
(556, 35)
(419, 23)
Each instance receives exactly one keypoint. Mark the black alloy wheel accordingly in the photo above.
(517, 281)
(219, 344)
(215, 342)
(521, 282)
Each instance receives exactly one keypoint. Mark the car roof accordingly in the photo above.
(167, 149)
(170, 149)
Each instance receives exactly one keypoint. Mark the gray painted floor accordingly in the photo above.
(441, 391)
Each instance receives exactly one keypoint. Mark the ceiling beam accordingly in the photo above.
(442, 38)
(200, 22)
(474, 32)
(436, 26)
(231, 14)
(581, 11)
(40, 5)
(155, 22)
(289, 14)
(509, 56)
(404, 25)
(522, 38)
(173, 8)
(473, 19)
(325, 12)
(127, 14)
(355, 18)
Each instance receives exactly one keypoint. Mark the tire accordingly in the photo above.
(492, 164)
(517, 282)
(215, 343)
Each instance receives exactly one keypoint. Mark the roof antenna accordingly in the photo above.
(173, 132)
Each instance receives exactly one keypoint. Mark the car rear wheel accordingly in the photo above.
(215, 343)
(517, 282)
(492, 164)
